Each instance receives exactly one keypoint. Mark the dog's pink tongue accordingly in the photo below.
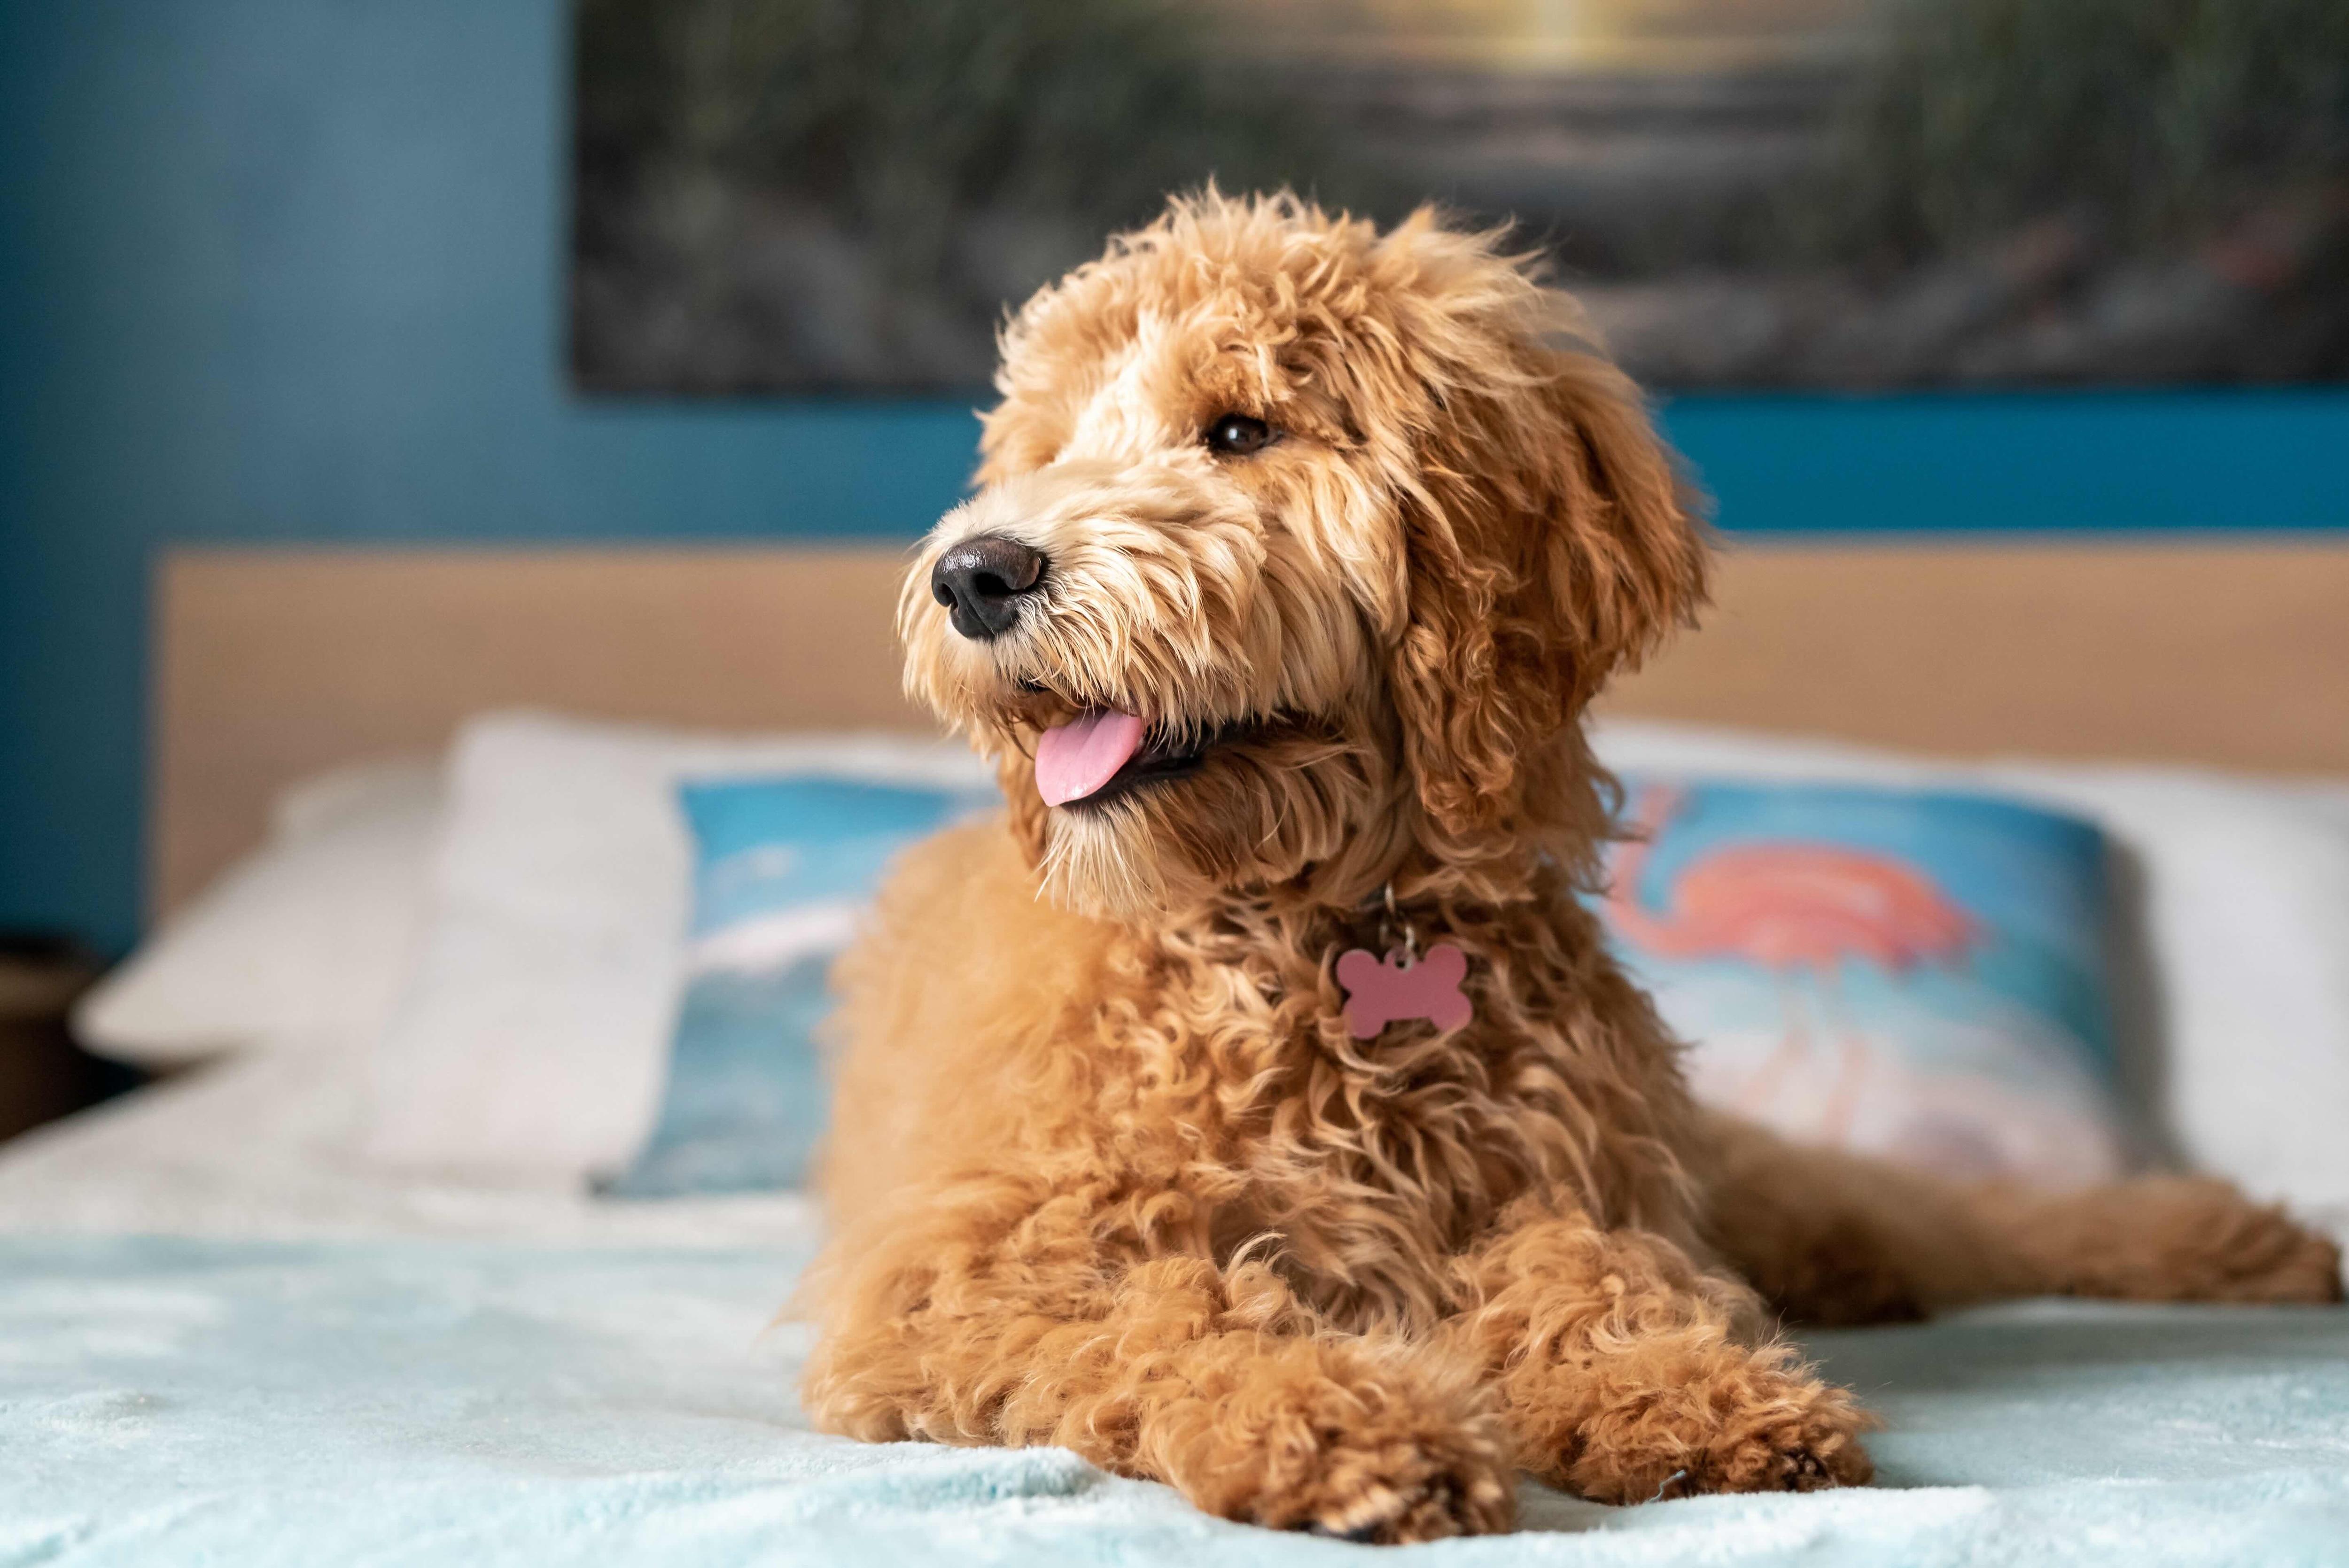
(1080, 756)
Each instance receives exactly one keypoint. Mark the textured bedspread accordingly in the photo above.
(185, 1401)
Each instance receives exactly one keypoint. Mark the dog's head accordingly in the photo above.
(1298, 552)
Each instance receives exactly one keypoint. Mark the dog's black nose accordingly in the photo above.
(981, 580)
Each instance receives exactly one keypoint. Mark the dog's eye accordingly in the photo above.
(1237, 435)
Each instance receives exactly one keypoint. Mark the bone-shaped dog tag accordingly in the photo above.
(1395, 990)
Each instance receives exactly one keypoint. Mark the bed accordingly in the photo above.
(226, 1334)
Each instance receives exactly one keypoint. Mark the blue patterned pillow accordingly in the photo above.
(1919, 975)
(784, 867)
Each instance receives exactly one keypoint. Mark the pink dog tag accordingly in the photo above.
(1394, 990)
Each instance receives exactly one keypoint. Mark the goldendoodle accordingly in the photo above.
(1301, 550)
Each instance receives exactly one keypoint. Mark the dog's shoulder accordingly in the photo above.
(954, 866)
(956, 1003)
(968, 899)
(960, 944)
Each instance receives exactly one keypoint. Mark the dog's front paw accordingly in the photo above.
(1394, 1486)
(1797, 1455)
(1394, 1482)
(1372, 1459)
(1759, 1427)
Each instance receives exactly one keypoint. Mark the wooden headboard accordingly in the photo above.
(273, 664)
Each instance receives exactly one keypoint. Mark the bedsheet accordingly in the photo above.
(437, 1401)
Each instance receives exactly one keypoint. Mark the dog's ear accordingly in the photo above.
(1550, 541)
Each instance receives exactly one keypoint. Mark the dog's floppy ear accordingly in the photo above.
(1551, 540)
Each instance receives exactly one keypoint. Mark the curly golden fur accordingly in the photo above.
(1109, 1170)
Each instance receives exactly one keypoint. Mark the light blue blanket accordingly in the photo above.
(248, 1404)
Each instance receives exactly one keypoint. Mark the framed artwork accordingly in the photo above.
(804, 196)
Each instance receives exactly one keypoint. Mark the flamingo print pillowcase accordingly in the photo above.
(1916, 975)
(1913, 974)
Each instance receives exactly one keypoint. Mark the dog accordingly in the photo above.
(1298, 552)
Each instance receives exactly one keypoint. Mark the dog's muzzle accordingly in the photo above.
(981, 582)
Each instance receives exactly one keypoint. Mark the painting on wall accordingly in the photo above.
(801, 196)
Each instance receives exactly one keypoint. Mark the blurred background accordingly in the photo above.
(483, 270)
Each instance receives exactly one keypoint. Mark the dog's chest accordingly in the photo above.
(1413, 1137)
(1374, 1171)
(1363, 1162)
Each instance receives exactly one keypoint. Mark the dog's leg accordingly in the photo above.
(1831, 1238)
(989, 1313)
(1626, 1373)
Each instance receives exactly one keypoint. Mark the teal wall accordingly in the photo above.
(291, 269)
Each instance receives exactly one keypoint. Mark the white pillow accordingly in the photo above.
(302, 944)
(2237, 1041)
(534, 1036)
